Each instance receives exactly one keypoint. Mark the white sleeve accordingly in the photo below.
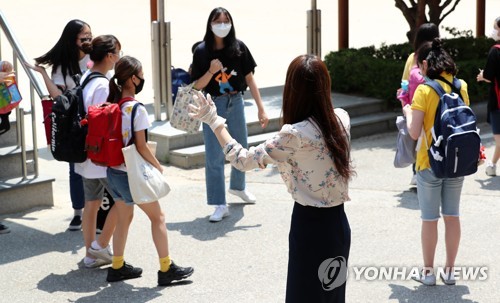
(141, 120)
(57, 77)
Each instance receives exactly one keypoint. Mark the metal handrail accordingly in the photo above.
(38, 84)
(35, 85)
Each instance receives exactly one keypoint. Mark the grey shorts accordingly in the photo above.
(435, 193)
(94, 188)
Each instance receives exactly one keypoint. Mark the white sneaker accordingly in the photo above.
(491, 169)
(243, 194)
(426, 279)
(96, 263)
(220, 212)
(103, 253)
(448, 278)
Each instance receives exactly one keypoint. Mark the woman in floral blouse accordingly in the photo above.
(312, 153)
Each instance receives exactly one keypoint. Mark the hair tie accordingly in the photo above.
(115, 80)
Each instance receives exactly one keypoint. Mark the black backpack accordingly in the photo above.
(68, 124)
(454, 151)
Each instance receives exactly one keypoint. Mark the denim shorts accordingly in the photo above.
(434, 193)
(118, 185)
(495, 121)
(93, 189)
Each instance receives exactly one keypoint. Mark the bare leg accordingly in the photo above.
(158, 227)
(88, 223)
(109, 227)
(452, 239)
(496, 152)
(124, 214)
(429, 238)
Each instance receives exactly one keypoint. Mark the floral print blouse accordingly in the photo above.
(303, 160)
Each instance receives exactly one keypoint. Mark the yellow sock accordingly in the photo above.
(164, 264)
(117, 262)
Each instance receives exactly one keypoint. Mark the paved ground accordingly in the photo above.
(243, 258)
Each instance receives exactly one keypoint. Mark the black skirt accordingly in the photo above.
(319, 243)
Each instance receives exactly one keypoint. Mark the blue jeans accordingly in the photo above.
(118, 185)
(230, 107)
(434, 193)
(76, 188)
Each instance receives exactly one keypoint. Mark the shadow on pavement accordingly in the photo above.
(430, 294)
(408, 199)
(493, 183)
(203, 230)
(40, 243)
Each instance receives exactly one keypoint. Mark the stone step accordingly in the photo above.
(11, 159)
(20, 195)
(10, 137)
(169, 138)
(194, 156)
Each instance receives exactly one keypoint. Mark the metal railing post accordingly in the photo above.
(155, 50)
(35, 85)
(314, 30)
(33, 131)
(20, 116)
(168, 74)
(160, 45)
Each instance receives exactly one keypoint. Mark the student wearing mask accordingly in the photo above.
(223, 67)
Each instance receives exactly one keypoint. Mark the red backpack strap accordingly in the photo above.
(126, 99)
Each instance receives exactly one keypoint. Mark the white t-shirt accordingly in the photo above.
(57, 76)
(94, 93)
(141, 122)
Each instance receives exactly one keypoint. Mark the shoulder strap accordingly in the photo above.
(123, 100)
(455, 86)
(92, 75)
(438, 88)
(134, 110)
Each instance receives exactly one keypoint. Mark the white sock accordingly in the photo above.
(78, 212)
(95, 245)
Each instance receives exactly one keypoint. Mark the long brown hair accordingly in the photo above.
(125, 68)
(307, 95)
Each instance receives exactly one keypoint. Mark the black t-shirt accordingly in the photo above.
(492, 72)
(235, 69)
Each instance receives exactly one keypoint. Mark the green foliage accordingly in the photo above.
(377, 73)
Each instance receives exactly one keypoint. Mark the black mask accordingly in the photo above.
(139, 87)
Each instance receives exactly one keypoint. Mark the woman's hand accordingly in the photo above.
(6, 77)
(36, 67)
(205, 111)
(215, 66)
(407, 110)
(480, 76)
(263, 119)
(6, 67)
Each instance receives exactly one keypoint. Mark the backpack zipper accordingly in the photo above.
(456, 160)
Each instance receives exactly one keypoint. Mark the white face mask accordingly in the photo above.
(494, 35)
(221, 29)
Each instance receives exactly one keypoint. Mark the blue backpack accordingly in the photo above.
(454, 151)
(180, 78)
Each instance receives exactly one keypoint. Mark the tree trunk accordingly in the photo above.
(411, 9)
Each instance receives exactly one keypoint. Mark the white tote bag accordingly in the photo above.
(147, 184)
